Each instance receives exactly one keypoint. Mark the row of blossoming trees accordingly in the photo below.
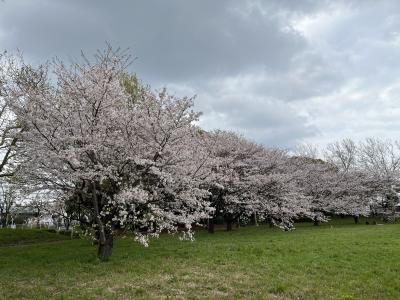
(115, 155)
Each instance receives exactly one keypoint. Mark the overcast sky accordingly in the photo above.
(280, 72)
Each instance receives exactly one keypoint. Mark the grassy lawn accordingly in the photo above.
(333, 261)
(13, 237)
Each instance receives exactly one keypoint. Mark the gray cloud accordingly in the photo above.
(280, 72)
(173, 40)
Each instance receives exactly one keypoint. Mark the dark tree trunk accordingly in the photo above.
(356, 219)
(105, 236)
(316, 222)
(255, 219)
(270, 223)
(105, 247)
(229, 225)
(385, 219)
(3, 220)
(67, 223)
(210, 225)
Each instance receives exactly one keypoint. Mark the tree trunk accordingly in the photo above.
(105, 247)
(105, 237)
(66, 223)
(38, 219)
(356, 219)
(229, 225)
(316, 222)
(210, 225)
(270, 223)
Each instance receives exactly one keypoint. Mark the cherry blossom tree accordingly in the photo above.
(380, 159)
(13, 73)
(314, 178)
(351, 187)
(247, 180)
(339, 184)
(279, 196)
(229, 163)
(121, 156)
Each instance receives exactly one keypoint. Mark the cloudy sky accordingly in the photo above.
(280, 72)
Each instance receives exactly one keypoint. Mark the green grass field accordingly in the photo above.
(339, 261)
(11, 237)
